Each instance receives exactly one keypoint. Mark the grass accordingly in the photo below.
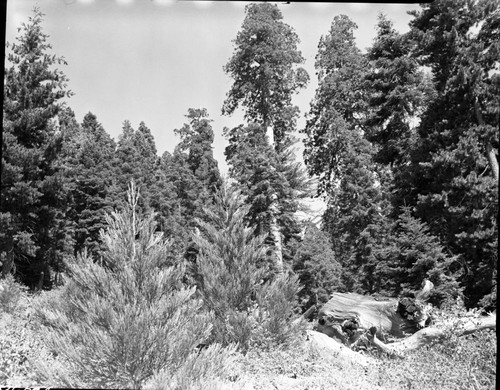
(457, 363)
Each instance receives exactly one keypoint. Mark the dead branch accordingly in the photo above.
(429, 335)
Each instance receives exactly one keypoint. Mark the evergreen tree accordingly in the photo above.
(336, 149)
(333, 123)
(272, 183)
(395, 86)
(263, 67)
(452, 178)
(230, 275)
(164, 200)
(85, 156)
(123, 319)
(265, 73)
(134, 159)
(197, 139)
(411, 254)
(34, 233)
(318, 271)
(192, 177)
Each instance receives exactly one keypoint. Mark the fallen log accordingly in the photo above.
(328, 347)
(427, 336)
(347, 315)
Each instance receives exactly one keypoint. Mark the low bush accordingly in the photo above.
(210, 368)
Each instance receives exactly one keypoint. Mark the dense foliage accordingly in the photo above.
(161, 288)
(34, 234)
(263, 67)
(411, 125)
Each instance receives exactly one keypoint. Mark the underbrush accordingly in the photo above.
(467, 362)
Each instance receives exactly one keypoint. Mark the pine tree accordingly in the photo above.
(34, 233)
(121, 320)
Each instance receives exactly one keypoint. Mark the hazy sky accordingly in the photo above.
(151, 60)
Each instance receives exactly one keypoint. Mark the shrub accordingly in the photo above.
(120, 321)
(209, 368)
(277, 301)
(457, 363)
(467, 362)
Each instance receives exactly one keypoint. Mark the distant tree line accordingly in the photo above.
(402, 141)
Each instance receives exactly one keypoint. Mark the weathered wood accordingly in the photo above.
(328, 347)
(345, 309)
(429, 335)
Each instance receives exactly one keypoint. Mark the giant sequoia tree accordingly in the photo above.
(34, 233)
(264, 70)
(265, 74)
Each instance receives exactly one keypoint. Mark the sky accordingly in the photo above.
(152, 60)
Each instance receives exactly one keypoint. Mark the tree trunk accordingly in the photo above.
(427, 336)
(273, 209)
(491, 155)
(347, 315)
(275, 232)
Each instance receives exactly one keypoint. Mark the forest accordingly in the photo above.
(136, 260)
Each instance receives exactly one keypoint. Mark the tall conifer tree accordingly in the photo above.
(265, 73)
(34, 234)
(452, 179)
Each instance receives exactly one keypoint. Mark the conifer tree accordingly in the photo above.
(395, 86)
(267, 178)
(230, 274)
(411, 254)
(452, 178)
(265, 73)
(197, 139)
(315, 264)
(87, 167)
(34, 233)
(134, 159)
(337, 151)
(121, 320)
